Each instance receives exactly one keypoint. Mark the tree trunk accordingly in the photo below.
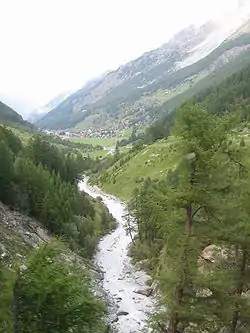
(239, 291)
(188, 219)
(174, 320)
(129, 230)
(15, 304)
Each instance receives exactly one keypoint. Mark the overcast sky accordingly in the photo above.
(48, 46)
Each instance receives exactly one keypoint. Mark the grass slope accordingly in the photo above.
(153, 161)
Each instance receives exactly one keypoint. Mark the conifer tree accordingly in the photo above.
(6, 171)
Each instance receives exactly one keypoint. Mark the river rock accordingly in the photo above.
(145, 292)
(122, 313)
(154, 287)
(118, 299)
(141, 279)
(98, 274)
(114, 320)
(142, 264)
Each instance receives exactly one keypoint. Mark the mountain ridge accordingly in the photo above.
(122, 96)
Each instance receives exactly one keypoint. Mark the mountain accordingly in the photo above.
(60, 115)
(133, 93)
(39, 113)
(9, 116)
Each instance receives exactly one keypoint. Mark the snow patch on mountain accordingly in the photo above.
(225, 26)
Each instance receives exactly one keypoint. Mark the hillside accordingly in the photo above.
(9, 116)
(23, 240)
(133, 94)
(157, 159)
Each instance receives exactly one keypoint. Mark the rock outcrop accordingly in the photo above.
(19, 233)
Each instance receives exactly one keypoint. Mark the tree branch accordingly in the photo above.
(196, 211)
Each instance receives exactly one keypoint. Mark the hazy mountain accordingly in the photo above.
(61, 116)
(131, 94)
(40, 112)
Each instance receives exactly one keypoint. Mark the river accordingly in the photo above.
(121, 277)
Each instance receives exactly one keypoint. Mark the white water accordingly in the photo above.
(121, 278)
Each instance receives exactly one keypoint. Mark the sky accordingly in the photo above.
(49, 46)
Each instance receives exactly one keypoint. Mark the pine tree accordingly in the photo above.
(184, 211)
(6, 283)
(6, 171)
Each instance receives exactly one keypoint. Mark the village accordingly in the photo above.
(89, 133)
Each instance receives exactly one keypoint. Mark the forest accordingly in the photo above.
(40, 181)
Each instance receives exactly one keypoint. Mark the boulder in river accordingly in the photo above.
(142, 264)
(114, 320)
(154, 287)
(98, 274)
(122, 313)
(145, 292)
(118, 299)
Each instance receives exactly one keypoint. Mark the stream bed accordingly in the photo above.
(123, 282)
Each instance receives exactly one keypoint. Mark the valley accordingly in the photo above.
(124, 205)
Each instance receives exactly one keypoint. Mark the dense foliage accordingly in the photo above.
(49, 294)
(41, 181)
(194, 228)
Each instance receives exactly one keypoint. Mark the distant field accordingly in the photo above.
(97, 141)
